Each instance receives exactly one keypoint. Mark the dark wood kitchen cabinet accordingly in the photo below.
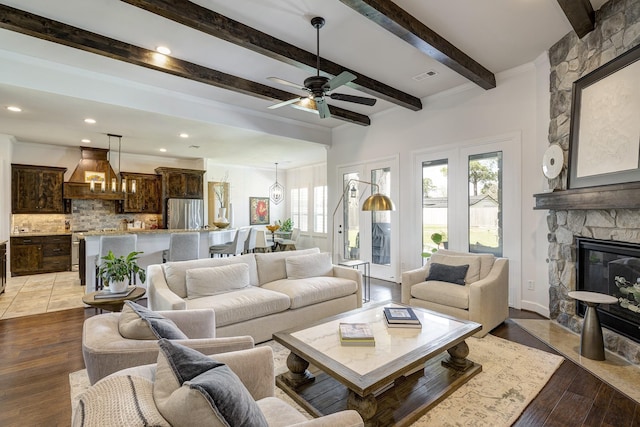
(36, 189)
(3, 266)
(147, 196)
(40, 254)
(181, 183)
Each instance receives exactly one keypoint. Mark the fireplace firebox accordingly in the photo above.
(612, 268)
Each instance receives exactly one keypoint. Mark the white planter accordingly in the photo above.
(222, 214)
(118, 286)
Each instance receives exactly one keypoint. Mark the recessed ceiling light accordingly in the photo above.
(86, 141)
(14, 108)
(90, 121)
(163, 50)
(184, 135)
(164, 150)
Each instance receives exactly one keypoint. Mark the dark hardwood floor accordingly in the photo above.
(38, 353)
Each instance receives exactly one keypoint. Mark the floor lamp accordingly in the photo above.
(375, 202)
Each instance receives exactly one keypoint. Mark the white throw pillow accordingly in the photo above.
(311, 265)
(207, 281)
(473, 274)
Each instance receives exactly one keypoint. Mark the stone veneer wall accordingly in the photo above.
(617, 30)
(85, 215)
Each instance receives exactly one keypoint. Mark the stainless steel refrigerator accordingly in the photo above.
(185, 214)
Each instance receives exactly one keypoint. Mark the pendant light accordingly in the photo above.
(276, 191)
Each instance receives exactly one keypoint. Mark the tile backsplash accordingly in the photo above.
(86, 215)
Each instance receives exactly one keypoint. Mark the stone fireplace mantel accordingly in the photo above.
(618, 196)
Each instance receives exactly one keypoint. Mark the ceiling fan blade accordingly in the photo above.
(286, 83)
(323, 108)
(282, 104)
(351, 98)
(339, 80)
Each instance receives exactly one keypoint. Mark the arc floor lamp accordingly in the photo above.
(375, 202)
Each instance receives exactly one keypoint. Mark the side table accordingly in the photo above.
(366, 275)
(591, 341)
(113, 304)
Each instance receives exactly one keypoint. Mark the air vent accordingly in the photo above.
(425, 75)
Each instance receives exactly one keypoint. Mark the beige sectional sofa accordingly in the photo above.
(257, 294)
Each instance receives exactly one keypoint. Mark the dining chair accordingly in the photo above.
(182, 247)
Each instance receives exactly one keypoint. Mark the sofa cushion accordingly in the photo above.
(443, 293)
(139, 323)
(473, 274)
(192, 389)
(175, 273)
(243, 304)
(312, 290)
(486, 260)
(272, 265)
(121, 400)
(310, 265)
(206, 281)
(448, 273)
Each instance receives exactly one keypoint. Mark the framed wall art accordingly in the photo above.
(258, 210)
(605, 124)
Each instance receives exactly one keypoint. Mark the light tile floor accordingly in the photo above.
(41, 293)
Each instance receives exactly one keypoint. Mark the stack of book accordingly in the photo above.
(356, 334)
(107, 294)
(401, 317)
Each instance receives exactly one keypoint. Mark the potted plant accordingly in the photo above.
(117, 272)
(437, 239)
(286, 227)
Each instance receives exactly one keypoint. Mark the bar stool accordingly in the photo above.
(234, 247)
(121, 245)
(182, 247)
(250, 243)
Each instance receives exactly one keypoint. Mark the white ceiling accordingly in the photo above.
(57, 86)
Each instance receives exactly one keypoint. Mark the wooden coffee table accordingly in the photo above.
(113, 304)
(405, 374)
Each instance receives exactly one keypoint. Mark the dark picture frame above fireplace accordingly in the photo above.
(605, 131)
(608, 266)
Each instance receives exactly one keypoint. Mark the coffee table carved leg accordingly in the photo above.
(365, 406)
(298, 373)
(458, 358)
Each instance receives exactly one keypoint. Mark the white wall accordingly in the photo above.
(6, 148)
(244, 183)
(467, 113)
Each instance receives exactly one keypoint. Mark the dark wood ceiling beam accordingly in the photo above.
(580, 15)
(58, 32)
(399, 22)
(217, 25)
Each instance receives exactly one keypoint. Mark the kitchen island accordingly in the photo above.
(151, 243)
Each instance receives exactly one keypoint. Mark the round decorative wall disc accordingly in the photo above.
(552, 161)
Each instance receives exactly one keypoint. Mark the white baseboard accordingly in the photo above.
(535, 307)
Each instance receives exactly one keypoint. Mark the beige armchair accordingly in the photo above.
(254, 367)
(484, 298)
(105, 351)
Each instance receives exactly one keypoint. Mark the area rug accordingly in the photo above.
(512, 376)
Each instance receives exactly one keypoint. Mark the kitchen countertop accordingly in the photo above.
(41, 233)
(149, 231)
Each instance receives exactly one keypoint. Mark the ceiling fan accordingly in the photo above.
(319, 86)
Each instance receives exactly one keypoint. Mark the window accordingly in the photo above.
(320, 209)
(435, 204)
(300, 208)
(485, 203)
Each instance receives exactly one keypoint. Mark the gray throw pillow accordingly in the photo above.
(194, 389)
(138, 323)
(447, 273)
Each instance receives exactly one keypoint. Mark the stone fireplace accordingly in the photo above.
(611, 213)
(611, 268)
